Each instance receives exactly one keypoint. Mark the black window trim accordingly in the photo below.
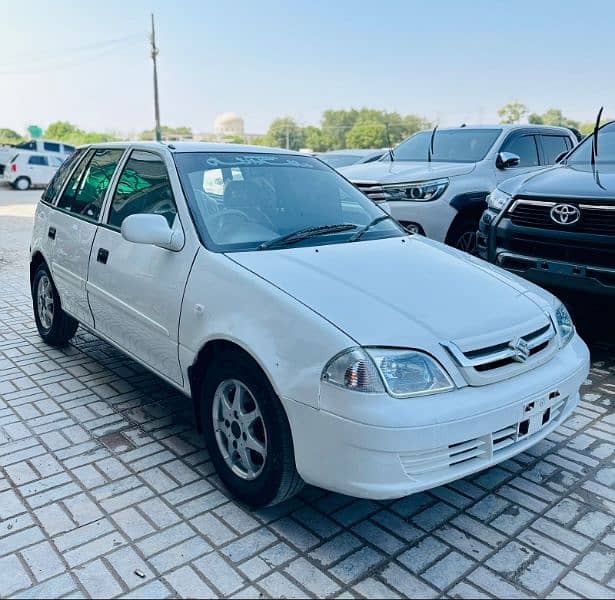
(567, 141)
(518, 133)
(89, 150)
(104, 214)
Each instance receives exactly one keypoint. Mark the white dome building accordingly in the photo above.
(228, 124)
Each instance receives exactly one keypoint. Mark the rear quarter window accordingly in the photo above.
(59, 179)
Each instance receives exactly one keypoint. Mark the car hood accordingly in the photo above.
(404, 292)
(404, 171)
(566, 181)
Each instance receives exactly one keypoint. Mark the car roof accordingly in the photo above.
(181, 147)
(508, 127)
(353, 151)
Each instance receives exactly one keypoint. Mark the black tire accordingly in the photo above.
(63, 326)
(278, 479)
(463, 236)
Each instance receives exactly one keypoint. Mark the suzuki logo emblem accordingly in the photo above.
(565, 214)
(521, 349)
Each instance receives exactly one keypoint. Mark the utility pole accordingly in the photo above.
(156, 106)
(287, 135)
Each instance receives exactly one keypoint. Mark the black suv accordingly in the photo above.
(556, 227)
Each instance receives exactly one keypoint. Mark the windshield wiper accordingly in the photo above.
(305, 234)
(359, 234)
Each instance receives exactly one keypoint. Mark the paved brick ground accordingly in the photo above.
(106, 490)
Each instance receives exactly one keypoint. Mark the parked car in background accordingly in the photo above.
(383, 386)
(344, 158)
(42, 146)
(27, 169)
(557, 226)
(438, 182)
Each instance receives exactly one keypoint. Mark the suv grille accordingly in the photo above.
(598, 219)
(373, 191)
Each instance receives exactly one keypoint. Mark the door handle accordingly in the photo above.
(52, 233)
(102, 256)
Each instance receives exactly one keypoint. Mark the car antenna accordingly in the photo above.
(595, 149)
(391, 153)
(430, 147)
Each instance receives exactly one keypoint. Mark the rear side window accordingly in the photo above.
(524, 146)
(553, 146)
(60, 177)
(27, 145)
(51, 147)
(143, 187)
(40, 161)
(85, 192)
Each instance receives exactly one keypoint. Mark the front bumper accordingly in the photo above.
(437, 439)
(434, 217)
(553, 259)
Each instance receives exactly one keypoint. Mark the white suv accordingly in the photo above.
(274, 300)
(27, 169)
(438, 182)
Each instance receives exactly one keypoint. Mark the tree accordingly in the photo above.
(8, 136)
(367, 134)
(64, 131)
(284, 130)
(316, 139)
(512, 112)
(168, 133)
(553, 116)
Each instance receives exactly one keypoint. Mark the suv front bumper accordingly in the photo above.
(550, 258)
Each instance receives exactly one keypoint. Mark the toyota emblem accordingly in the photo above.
(565, 214)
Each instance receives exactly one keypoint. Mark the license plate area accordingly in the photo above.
(536, 414)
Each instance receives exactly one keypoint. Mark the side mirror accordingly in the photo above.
(152, 229)
(506, 160)
(560, 157)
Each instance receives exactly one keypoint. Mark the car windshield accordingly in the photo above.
(242, 200)
(449, 145)
(582, 154)
(340, 160)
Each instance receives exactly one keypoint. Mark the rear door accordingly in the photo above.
(73, 227)
(38, 169)
(552, 145)
(136, 290)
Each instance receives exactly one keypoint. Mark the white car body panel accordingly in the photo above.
(294, 309)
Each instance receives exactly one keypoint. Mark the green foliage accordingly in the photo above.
(512, 112)
(316, 139)
(64, 131)
(553, 116)
(8, 136)
(367, 134)
(283, 130)
(234, 139)
(168, 133)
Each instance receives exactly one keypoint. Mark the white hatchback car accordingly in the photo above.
(276, 302)
(27, 169)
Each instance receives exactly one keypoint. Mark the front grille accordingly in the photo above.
(372, 190)
(596, 219)
(473, 454)
(485, 365)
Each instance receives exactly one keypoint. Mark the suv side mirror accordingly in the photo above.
(505, 160)
(560, 157)
(152, 229)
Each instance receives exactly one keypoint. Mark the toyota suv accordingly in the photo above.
(436, 182)
(557, 227)
(264, 298)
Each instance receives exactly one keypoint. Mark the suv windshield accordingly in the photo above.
(449, 145)
(242, 200)
(581, 155)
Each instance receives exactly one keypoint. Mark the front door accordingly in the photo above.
(72, 226)
(136, 290)
(525, 146)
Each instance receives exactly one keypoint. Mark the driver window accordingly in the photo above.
(524, 147)
(143, 187)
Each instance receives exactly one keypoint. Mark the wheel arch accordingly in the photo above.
(469, 205)
(36, 261)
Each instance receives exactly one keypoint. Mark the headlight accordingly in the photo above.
(402, 373)
(498, 199)
(420, 191)
(564, 324)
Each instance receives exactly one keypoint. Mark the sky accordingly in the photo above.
(450, 61)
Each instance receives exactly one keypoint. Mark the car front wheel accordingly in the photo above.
(53, 324)
(463, 237)
(247, 432)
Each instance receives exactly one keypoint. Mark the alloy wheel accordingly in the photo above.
(467, 242)
(44, 302)
(239, 428)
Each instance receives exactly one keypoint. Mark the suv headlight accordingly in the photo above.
(401, 373)
(420, 191)
(564, 324)
(498, 199)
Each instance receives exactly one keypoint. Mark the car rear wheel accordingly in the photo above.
(53, 324)
(22, 184)
(247, 433)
